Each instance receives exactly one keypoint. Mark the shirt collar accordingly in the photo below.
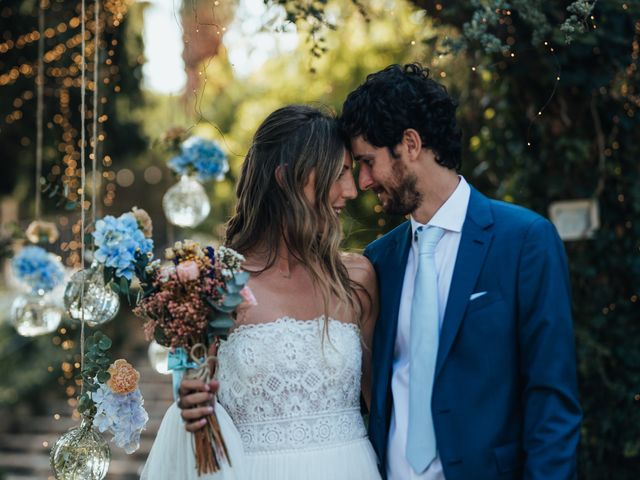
(451, 215)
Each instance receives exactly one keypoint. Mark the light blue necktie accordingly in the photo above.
(424, 336)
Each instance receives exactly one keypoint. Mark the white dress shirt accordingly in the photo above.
(450, 217)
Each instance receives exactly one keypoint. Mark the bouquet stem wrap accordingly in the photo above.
(210, 447)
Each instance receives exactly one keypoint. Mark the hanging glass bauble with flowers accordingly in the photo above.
(159, 357)
(186, 204)
(110, 402)
(35, 312)
(87, 296)
(118, 240)
(81, 454)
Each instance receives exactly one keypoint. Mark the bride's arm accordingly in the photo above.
(361, 271)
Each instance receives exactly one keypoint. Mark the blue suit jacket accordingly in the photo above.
(504, 398)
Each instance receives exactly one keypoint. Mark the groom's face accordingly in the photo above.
(387, 176)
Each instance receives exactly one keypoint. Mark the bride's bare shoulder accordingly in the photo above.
(359, 267)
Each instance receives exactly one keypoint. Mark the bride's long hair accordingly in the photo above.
(292, 143)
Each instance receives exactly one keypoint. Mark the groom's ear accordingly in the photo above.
(412, 143)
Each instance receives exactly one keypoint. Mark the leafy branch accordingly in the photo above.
(94, 371)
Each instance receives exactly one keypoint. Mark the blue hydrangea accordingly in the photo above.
(117, 240)
(202, 157)
(122, 415)
(38, 268)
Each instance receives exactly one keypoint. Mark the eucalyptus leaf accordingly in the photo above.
(232, 300)
(103, 362)
(84, 402)
(241, 278)
(104, 343)
(103, 376)
(226, 309)
(124, 286)
(222, 322)
(219, 332)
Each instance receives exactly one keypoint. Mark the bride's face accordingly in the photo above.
(343, 189)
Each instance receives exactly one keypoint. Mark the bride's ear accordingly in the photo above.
(279, 174)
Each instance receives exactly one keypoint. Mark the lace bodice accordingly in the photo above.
(287, 388)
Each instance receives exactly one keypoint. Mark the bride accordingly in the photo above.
(289, 375)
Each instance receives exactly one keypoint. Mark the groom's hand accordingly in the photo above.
(196, 402)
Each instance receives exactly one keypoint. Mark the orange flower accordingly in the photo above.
(124, 378)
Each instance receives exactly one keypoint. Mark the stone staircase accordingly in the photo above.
(26, 443)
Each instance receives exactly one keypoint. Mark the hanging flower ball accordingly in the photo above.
(37, 268)
(36, 312)
(186, 204)
(42, 232)
(86, 297)
(81, 453)
(201, 157)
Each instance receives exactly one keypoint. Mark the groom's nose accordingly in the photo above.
(365, 180)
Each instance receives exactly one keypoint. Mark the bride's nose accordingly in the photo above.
(350, 191)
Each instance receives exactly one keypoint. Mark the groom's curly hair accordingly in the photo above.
(401, 97)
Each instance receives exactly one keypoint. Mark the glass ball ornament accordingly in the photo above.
(159, 357)
(35, 313)
(186, 204)
(81, 454)
(100, 304)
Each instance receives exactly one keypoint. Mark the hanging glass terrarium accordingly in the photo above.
(35, 313)
(186, 204)
(159, 357)
(81, 454)
(100, 303)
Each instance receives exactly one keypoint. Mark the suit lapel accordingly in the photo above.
(474, 244)
(391, 269)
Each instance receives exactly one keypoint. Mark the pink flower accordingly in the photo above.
(188, 271)
(248, 297)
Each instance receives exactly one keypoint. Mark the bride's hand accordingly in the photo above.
(196, 402)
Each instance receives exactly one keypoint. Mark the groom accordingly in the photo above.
(474, 374)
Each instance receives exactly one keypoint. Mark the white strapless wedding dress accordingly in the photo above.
(289, 408)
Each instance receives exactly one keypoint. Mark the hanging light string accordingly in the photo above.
(82, 179)
(39, 110)
(94, 159)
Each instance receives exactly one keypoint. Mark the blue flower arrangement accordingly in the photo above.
(38, 268)
(118, 241)
(202, 157)
(121, 414)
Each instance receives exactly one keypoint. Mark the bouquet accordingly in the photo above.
(188, 306)
(201, 157)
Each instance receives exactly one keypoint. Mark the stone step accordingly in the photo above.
(48, 424)
(31, 464)
(42, 443)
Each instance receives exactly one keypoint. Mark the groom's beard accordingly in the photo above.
(403, 197)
